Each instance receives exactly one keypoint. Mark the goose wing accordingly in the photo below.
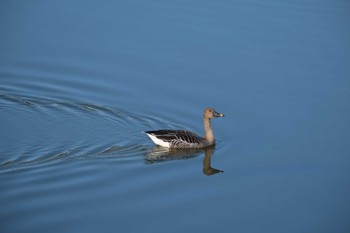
(176, 135)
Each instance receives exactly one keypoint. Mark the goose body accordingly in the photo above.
(184, 138)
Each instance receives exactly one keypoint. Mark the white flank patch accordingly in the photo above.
(157, 141)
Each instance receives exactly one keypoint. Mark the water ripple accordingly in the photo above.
(42, 131)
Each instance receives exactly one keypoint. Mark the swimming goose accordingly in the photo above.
(184, 138)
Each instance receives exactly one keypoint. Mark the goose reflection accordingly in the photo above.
(207, 169)
(162, 154)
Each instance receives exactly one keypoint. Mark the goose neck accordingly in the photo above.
(209, 136)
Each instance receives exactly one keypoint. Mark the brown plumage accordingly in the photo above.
(184, 138)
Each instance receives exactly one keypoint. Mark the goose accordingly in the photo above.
(184, 138)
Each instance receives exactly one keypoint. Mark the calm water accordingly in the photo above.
(81, 80)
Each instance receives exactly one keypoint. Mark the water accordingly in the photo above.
(81, 80)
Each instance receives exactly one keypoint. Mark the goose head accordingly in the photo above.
(211, 113)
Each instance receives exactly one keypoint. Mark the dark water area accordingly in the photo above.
(81, 80)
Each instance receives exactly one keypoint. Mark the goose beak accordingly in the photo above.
(216, 114)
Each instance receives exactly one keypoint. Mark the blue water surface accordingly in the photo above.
(80, 81)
